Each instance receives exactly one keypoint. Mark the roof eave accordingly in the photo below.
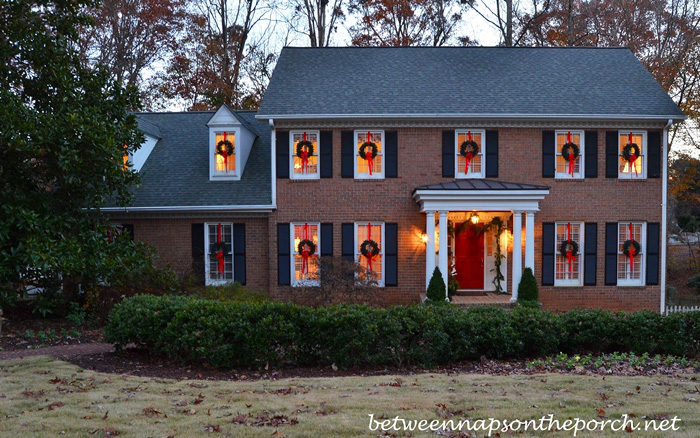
(197, 208)
(676, 118)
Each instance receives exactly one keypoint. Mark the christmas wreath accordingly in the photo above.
(372, 146)
(629, 244)
(627, 151)
(569, 245)
(224, 147)
(306, 243)
(469, 147)
(568, 149)
(305, 144)
(216, 248)
(369, 248)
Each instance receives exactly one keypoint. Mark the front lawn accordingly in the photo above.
(43, 397)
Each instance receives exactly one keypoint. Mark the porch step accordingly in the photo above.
(470, 293)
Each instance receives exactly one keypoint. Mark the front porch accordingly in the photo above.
(483, 224)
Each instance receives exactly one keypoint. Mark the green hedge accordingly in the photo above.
(254, 334)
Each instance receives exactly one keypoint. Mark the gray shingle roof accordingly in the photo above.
(464, 81)
(148, 127)
(176, 173)
(481, 184)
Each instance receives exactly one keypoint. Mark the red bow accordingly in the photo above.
(469, 155)
(304, 158)
(224, 153)
(220, 254)
(368, 155)
(305, 252)
(569, 253)
(633, 157)
(571, 155)
(631, 251)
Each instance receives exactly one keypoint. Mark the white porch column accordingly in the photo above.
(530, 241)
(442, 258)
(517, 252)
(430, 246)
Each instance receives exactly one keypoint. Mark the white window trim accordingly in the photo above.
(582, 156)
(295, 282)
(381, 248)
(579, 257)
(481, 153)
(643, 244)
(382, 154)
(224, 176)
(644, 155)
(208, 280)
(293, 153)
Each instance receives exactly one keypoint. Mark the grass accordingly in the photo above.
(41, 397)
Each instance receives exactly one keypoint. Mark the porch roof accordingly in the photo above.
(480, 184)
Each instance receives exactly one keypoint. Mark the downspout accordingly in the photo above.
(273, 161)
(664, 225)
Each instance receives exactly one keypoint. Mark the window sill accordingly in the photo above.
(306, 284)
(369, 179)
(633, 179)
(565, 178)
(304, 179)
(568, 285)
(631, 285)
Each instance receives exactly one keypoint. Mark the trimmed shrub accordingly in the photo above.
(436, 287)
(527, 289)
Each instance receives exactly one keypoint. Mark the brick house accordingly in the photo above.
(411, 152)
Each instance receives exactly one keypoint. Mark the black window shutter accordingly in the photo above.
(548, 154)
(591, 154)
(391, 154)
(548, 254)
(653, 231)
(590, 263)
(283, 255)
(282, 146)
(239, 253)
(611, 253)
(391, 251)
(491, 154)
(347, 154)
(326, 154)
(612, 158)
(448, 154)
(654, 154)
(326, 240)
(198, 251)
(348, 249)
(129, 229)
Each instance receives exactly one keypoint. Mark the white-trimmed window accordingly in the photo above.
(365, 233)
(369, 168)
(215, 233)
(477, 163)
(627, 169)
(562, 164)
(224, 165)
(305, 269)
(565, 274)
(302, 168)
(628, 273)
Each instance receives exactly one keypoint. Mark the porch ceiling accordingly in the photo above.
(480, 194)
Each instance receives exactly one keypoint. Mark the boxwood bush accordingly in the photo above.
(229, 334)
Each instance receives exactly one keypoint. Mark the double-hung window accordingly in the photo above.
(224, 154)
(632, 153)
(469, 148)
(218, 252)
(631, 245)
(306, 246)
(569, 257)
(569, 154)
(369, 154)
(304, 152)
(369, 249)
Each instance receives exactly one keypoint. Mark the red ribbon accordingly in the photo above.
(469, 155)
(368, 155)
(633, 157)
(571, 156)
(224, 153)
(220, 254)
(305, 252)
(369, 254)
(569, 253)
(304, 158)
(631, 250)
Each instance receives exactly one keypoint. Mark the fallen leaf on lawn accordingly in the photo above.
(53, 406)
(151, 412)
(199, 399)
(601, 412)
(106, 415)
(189, 412)
(211, 428)
(690, 399)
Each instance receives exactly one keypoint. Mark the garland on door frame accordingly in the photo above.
(630, 153)
(570, 151)
(305, 149)
(468, 149)
(225, 149)
(369, 155)
(569, 249)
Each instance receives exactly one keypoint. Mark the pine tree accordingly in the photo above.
(527, 289)
(436, 287)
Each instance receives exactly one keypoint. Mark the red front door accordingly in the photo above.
(469, 258)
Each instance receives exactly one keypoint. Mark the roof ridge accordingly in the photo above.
(463, 47)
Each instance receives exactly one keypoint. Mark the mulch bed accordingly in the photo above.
(14, 333)
(139, 362)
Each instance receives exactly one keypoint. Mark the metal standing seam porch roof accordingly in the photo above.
(480, 194)
(485, 82)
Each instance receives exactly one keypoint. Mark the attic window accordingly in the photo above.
(225, 152)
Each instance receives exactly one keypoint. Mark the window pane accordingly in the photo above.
(362, 164)
(625, 269)
(230, 161)
(312, 165)
(562, 271)
(625, 166)
(227, 239)
(475, 162)
(302, 272)
(362, 235)
(561, 163)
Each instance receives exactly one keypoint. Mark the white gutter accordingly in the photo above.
(273, 162)
(664, 198)
(472, 116)
(213, 208)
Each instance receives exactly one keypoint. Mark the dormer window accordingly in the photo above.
(225, 152)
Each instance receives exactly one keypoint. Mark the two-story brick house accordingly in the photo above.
(376, 154)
